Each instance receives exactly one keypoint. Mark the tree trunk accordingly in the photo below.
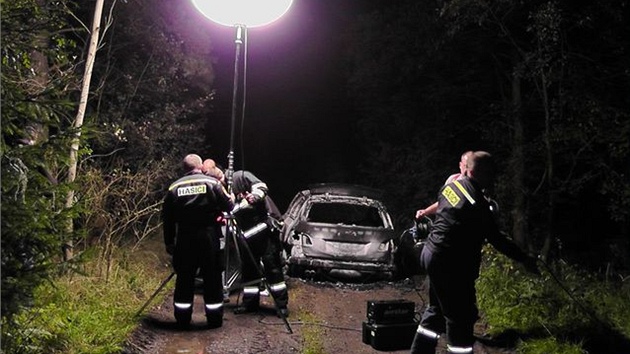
(517, 161)
(78, 121)
(37, 132)
(546, 249)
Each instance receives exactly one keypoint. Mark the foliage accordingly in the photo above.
(155, 85)
(30, 238)
(135, 112)
(130, 205)
(37, 72)
(83, 313)
(88, 313)
(549, 345)
(563, 307)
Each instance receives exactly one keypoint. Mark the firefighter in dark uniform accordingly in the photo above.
(253, 217)
(452, 257)
(191, 234)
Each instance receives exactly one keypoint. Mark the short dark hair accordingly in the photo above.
(191, 162)
(481, 165)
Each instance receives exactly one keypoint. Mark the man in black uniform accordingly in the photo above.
(253, 217)
(191, 234)
(452, 257)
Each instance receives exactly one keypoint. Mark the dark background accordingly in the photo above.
(298, 126)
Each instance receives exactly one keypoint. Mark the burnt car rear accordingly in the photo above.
(339, 229)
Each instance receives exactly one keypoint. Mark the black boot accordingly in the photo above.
(183, 317)
(251, 300)
(424, 341)
(281, 297)
(215, 318)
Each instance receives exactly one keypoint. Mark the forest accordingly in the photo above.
(89, 142)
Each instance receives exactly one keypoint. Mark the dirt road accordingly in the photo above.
(325, 318)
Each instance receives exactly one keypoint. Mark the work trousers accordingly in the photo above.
(452, 297)
(198, 249)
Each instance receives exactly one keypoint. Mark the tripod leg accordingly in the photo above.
(232, 272)
(226, 276)
(155, 293)
(226, 256)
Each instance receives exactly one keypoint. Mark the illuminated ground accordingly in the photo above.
(339, 308)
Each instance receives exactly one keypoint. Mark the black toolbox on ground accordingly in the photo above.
(390, 324)
(387, 337)
(390, 311)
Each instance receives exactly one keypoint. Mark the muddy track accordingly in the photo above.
(331, 314)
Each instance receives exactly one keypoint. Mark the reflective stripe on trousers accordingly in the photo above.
(214, 307)
(278, 286)
(459, 350)
(250, 290)
(183, 305)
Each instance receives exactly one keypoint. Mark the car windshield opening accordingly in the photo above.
(350, 214)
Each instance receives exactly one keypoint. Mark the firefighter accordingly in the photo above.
(257, 216)
(432, 209)
(452, 257)
(254, 211)
(191, 234)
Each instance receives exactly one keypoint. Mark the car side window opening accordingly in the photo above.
(349, 214)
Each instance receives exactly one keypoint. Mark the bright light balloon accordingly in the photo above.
(249, 13)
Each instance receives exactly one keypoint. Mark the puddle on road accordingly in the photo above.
(183, 345)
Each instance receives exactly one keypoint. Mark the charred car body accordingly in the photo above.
(339, 229)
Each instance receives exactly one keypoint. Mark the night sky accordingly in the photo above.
(298, 121)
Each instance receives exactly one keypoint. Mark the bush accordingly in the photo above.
(564, 308)
(86, 313)
(83, 311)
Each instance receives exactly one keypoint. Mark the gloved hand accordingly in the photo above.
(531, 265)
(170, 249)
(221, 220)
(252, 198)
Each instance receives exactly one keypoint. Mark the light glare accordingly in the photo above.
(249, 13)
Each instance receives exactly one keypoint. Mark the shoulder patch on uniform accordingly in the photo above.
(191, 190)
(450, 195)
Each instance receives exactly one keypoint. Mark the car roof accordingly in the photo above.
(345, 189)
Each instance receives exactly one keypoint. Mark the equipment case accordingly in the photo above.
(390, 311)
(388, 337)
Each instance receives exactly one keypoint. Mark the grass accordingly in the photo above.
(91, 313)
(88, 313)
(312, 334)
(562, 311)
(548, 346)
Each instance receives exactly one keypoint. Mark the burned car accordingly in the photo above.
(339, 230)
